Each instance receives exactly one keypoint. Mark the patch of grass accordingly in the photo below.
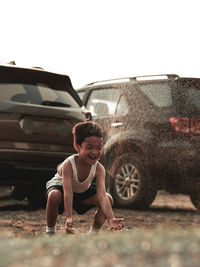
(159, 247)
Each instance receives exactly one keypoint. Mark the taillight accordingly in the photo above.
(185, 125)
(195, 125)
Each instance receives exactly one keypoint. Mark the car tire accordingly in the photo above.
(130, 185)
(36, 196)
(195, 199)
(37, 202)
(19, 191)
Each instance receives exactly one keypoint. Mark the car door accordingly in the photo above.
(108, 107)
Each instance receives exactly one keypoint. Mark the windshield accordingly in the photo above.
(35, 94)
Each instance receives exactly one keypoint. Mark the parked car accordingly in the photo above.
(152, 136)
(37, 112)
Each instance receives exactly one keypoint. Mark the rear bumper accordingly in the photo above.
(32, 158)
(176, 164)
(28, 166)
(181, 154)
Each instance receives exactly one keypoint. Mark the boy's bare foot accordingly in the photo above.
(71, 231)
(116, 224)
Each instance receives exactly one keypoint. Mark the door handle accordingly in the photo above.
(117, 124)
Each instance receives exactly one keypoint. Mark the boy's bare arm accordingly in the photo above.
(68, 195)
(114, 223)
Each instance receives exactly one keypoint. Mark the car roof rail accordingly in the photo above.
(11, 62)
(155, 77)
(39, 68)
(109, 81)
(136, 78)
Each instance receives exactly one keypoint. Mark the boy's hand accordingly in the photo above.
(69, 226)
(116, 223)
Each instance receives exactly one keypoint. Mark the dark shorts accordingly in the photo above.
(77, 199)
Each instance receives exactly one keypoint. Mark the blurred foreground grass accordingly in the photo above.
(158, 247)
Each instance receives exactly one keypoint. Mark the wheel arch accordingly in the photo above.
(118, 148)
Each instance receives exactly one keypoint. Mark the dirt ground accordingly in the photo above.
(17, 219)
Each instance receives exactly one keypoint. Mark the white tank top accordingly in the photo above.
(77, 186)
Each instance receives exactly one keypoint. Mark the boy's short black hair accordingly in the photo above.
(81, 130)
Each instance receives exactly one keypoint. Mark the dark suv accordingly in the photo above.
(37, 112)
(152, 136)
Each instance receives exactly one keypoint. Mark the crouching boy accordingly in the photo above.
(71, 187)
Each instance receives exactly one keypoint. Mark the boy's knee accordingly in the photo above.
(54, 198)
(110, 199)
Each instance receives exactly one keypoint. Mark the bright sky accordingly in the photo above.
(92, 40)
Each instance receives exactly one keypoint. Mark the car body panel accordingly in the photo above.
(38, 110)
(173, 157)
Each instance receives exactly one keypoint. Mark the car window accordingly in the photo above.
(103, 102)
(158, 93)
(81, 94)
(193, 96)
(35, 94)
(121, 107)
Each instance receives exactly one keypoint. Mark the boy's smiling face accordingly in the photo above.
(90, 150)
